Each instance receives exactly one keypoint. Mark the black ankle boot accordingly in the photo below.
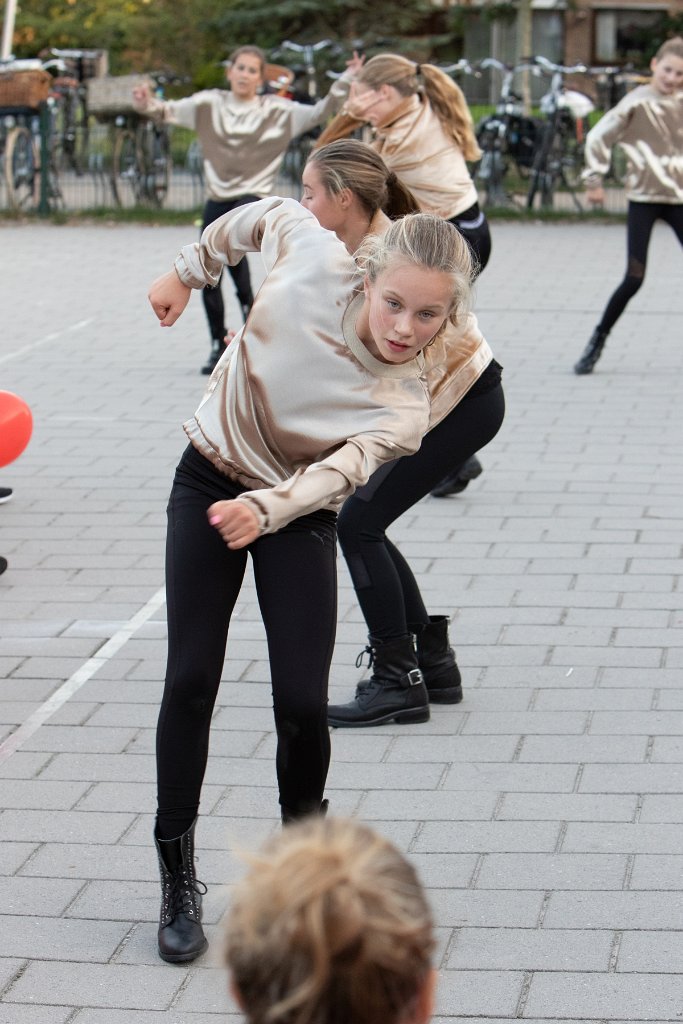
(436, 659)
(217, 350)
(180, 930)
(394, 693)
(291, 814)
(592, 352)
(456, 481)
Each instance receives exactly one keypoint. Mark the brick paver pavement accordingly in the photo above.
(544, 813)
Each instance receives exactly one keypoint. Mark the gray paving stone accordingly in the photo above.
(40, 794)
(505, 836)
(63, 826)
(527, 949)
(651, 952)
(654, 997)
(629, 778)
(96, 985)
(656, 871)
(12, 1013)
(585, 749)
(630, 838)
(440, 805)
(615, 910)
(566, 807)
(469, 993)
(551, 871)
(44, 938)
(42, 897)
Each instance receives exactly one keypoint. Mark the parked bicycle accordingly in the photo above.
(140, 167)
(507, 138)
(71, 108)
(558, 160)
(26, 135)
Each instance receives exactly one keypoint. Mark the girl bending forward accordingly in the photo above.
(321, 386)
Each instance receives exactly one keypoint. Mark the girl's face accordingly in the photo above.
(667, 73)
(327, 206)
(373, 105)
(405, 307)
(245, 76)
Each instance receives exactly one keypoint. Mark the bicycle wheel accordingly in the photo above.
(540, 179)
(20, 168)
(157, 166)
(125, 175)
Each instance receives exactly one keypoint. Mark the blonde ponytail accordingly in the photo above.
(408, 78)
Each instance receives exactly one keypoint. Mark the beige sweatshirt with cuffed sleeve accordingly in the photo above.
(649, 128)
(297, 410)
(243, 141)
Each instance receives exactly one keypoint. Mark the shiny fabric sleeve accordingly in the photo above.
(254, 227)
(331, 480)
(600, 141)
(181, 112)
(305, 116)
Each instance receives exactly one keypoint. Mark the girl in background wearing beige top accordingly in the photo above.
(322, 385)
(648, 125)
(351, 191)
(423, 131)
(243, 136)
(331, 925)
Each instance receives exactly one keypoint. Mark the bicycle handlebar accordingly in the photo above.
(551, 68)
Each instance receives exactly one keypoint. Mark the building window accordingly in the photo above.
(624, 36)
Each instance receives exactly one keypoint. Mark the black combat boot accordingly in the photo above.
(394, 693)
(457, 480)
(217, 350)
(180, 930)
(592, 352)
(436, 659)
(291, 814)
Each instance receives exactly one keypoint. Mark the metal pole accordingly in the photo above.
(8, 28)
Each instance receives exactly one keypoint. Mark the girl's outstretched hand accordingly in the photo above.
(168, 297)
(235, 521)
(356, 63)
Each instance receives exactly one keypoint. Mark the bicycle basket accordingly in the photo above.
(24, 88)
(113, 94)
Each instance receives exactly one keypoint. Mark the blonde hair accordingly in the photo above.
(671, 46)
(330, 925)
(350, 164)
(428, 241)
(426, 80)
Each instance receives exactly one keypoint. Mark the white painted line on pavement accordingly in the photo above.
(43, 341)
(80, 676)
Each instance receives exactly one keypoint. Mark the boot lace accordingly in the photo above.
(181, 895)
(370, 651)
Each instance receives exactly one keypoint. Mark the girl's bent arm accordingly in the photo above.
(255, 227)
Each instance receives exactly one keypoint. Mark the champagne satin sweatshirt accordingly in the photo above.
(297, 410)
(649, 128)
(415, 147)
(243, 141)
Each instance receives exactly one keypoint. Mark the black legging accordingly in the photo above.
(386, 589)
(213, 297)
(641, 220)
(295, 576)
(474, 228)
